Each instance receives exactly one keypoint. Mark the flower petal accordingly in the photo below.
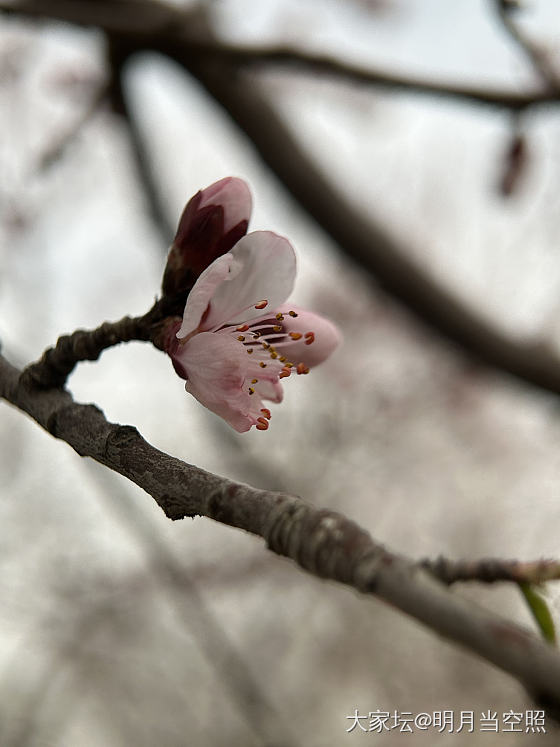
(216, 367)
(263, 268)
(233, 195)
(199, 298)
(326, 336)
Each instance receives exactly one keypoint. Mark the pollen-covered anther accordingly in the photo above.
(274, 355)
(249, 351)
(251, 390)
(277, 328)
(282, 359)
(309, 338)
(254, 381)
(262, 424)
(242, 328)
(241, 338)
(284, 373)
(266, 412)
(262, 364)
(292, 313)
(301, 368)
(261, 304)
(295, 335)
(280, 316)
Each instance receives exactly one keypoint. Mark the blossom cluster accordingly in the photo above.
(238, 337)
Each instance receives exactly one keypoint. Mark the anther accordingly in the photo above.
(262, 424)
(277, 328)
(254, 381)
(262, 364)
(249, 350)
(251, 390)
(284, 373)
(292, 313)
(241, 338)
(242, 328)
(282, 359)
(256, 335)
(274, 355)
(295, 335)
(309, 338)
(280, 317)
(266, 412)
(301, 368)
(261, 304)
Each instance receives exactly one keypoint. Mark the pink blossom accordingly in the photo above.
(238, 338)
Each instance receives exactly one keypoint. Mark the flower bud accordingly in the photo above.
(212, 222)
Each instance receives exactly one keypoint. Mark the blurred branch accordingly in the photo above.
(534, 52)
(234, 672)
(55, 151)
(492, 570)
(322, 542)
(145, 169)
(154, 25)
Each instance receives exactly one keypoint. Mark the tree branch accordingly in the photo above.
(322, 542)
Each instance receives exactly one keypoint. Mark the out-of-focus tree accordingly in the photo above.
(408, 150)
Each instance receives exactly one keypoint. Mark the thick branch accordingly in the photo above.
(322, 542)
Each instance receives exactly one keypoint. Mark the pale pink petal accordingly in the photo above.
(199, 298)
(270, 389)
(233, 195)
(263, 269)
(326, 336)
(216, 367)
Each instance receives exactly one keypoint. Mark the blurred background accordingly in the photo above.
(119, 627)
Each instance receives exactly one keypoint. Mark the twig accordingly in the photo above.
(492, 570)
(536, 55)
(58, 362)
(322, 542)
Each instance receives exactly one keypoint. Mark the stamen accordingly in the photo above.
(284, 373)
(277, 328)
(292, 313)
(262, 364)
(249, 350)
(251, 390)
(261, 304)
(274, 354)
(254, 381)
(301, 368)
(280, 317)
(262, 424)
(241, 338)
(266, 412)
(282, 359)
(242, 328)
(309, 338)
(295, 335)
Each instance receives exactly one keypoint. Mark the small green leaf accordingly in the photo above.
(539, 609)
